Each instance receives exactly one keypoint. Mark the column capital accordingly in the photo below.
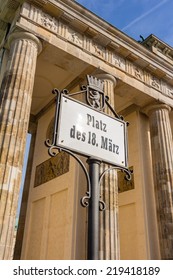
(149, 109)
(108, 77)
(27, 36)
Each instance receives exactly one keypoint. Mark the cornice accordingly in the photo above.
(36, 20)
(8, 8)
(85, 21)
(111, 35)
(74, 23)
(159, 47)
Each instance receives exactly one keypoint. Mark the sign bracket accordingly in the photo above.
(96, 100)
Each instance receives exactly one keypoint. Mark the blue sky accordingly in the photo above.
(136, 17)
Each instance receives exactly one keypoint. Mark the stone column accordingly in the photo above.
(109, 229)
(32, 129)
(162, 157)
(16, 97)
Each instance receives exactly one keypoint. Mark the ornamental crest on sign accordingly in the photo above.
(95, 93)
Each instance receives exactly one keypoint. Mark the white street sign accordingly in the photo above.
(91, 133)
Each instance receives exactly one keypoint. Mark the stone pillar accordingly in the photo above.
(162, 157)
(32, 129)
(16, 97)
(109, 229)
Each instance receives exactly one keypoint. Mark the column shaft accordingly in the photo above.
(109, 229)
(24, 203)
(15, 96)
(162, 155)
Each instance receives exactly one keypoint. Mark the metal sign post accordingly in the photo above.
(84, 129)
(93, 214)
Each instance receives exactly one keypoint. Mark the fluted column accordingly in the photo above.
(162, 158)
(109, 229)
(15, 96)
(32, 129)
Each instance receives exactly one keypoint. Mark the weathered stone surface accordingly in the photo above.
(16, 94)
(21, 223)
(8, 9)
(109, 229)
(162, 155)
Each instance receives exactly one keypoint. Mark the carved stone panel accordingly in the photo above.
(52, 168)
(155, 83)
(49, 22)
(75, 38)
(138, 73)
(118, 61)
(98, 50)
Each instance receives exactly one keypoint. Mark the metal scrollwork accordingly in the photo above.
(128, 173)
(102, 205)
(94, 93)
(48, 142)
(65, 91)
(53, 150)
(85, 199)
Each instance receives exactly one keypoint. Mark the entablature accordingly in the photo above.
(159, 47)
(86, 22)
(75, 25)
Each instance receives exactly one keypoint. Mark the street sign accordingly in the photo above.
(86, 130)
(89, 132)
